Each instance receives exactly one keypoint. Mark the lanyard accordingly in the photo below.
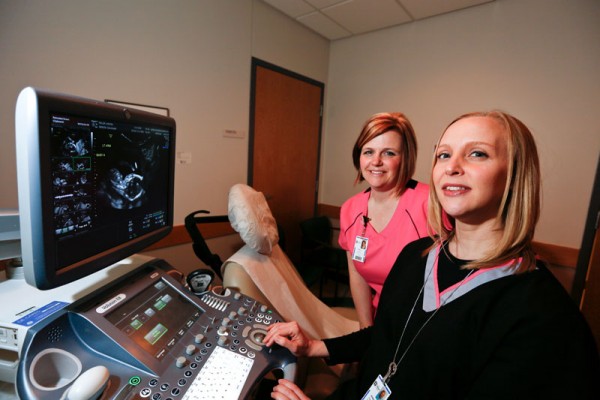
(365, 222)
(393, 367)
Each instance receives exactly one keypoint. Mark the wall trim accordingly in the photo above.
(557, 255)
(554, 254)
(179, 234)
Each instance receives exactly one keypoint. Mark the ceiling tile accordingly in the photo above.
(335, 19)
(324, 26)
(420, 9)
(318, 4)
(360, 16)
(293, 8)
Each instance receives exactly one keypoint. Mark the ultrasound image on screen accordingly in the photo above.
(130, 169)
(109, 179)
(75, 143)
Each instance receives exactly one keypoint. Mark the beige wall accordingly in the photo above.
(192, 56)
(538, 59)
(283, 42)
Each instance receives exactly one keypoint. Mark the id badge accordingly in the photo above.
(379, 390)
(360, 248)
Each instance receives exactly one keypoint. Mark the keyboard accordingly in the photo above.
(222, 376)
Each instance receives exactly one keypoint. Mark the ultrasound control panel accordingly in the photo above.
(147, 337)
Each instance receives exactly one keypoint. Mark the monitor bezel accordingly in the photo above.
(32, 121)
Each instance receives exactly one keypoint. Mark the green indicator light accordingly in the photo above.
(134, 380)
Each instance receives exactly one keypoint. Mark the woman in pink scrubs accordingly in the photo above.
(377, 223)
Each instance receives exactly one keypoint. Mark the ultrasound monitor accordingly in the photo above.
(95, 184)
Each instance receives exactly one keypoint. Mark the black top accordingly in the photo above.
(518, 336)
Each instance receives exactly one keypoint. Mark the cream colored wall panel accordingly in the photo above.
(536, 59)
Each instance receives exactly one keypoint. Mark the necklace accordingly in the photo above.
(393, 367)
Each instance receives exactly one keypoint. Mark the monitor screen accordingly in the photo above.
(95, 184)
(156, 318)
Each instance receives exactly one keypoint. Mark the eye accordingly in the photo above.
(389, 153)
(367, 152)
(478, 154)
(442, 155)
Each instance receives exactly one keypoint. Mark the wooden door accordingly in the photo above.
(285, 137)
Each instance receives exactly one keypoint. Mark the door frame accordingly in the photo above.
(256, 62)
(588, 241)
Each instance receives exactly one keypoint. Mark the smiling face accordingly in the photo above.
(470, 170)
(380, 161)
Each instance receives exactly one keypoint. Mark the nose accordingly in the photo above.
(377, 159)
(453, 167)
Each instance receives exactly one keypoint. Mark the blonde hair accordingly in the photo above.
(520, 207)
(380, 123)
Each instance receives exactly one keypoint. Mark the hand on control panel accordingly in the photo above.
(291, 336)
(89, 385)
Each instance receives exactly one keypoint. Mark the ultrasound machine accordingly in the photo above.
(95, 186)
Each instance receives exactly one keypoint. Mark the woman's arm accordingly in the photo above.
(290, 336)
(286, 390)
(361, 295)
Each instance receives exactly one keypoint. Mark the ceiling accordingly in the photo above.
(337, 19)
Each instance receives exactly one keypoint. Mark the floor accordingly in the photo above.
(343, 297)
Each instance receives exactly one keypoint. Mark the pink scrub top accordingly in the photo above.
(408, 223)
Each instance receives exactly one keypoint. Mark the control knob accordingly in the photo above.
(222, 330)
(199, 338)
(180, 362)
(190, 349)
